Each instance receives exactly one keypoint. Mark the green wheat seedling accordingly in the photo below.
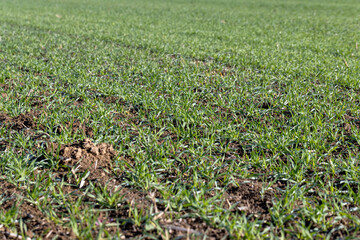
(227, 119)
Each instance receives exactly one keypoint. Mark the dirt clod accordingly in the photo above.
(87, 155)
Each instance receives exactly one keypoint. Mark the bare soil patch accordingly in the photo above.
(4, 86)
(25, 121)
(85, 156)
(3, 145)
(249, 198)
(192, 228)
(37, 224)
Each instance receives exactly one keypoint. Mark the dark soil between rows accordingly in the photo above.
(247, 198)
(192, 228)
(25, 121)
(33, 220)
(97, 159)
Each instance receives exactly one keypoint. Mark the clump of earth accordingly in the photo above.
(86, 156)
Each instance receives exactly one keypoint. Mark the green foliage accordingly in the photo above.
(196, 97)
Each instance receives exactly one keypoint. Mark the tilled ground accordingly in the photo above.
(85, 165)
(221, 120)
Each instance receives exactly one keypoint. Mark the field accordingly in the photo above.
(183, 119)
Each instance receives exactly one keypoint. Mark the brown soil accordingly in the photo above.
(4, 86)
(195, 227)
(25, 121)
(91, 155)
(192, 228)
(34, 221)
(39, 100)
(131, 198)
(167, 135)
(7, 191)
(85, 156)
(78, 102)
(112, 100)
(3, 145)
(348, 142)
(247, 198)
(235, 150)
(127, 117)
